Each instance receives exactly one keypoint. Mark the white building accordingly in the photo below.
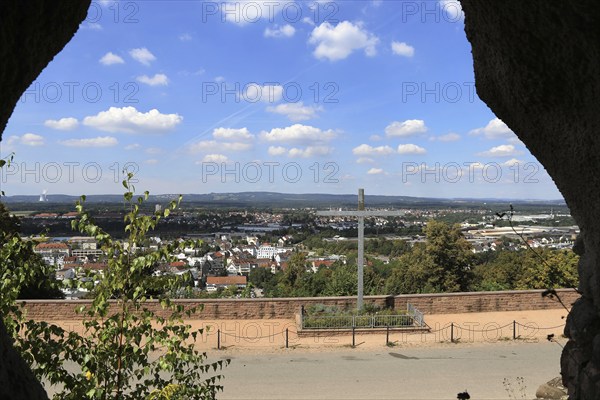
(53, 253)
(266, 251)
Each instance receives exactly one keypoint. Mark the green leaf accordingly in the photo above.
(120, 335)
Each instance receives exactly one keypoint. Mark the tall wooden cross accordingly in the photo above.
(361, 213)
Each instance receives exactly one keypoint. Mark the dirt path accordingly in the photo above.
(269, 335)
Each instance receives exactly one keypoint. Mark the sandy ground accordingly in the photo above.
(502, 370)
(269, 335)
(484, 359)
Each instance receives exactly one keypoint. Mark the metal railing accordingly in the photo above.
(417, 315)
(413, 318)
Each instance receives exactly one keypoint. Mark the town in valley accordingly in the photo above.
(241, 248)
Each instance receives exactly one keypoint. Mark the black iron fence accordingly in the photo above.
(413, 318)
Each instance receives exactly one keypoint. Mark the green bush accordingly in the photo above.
(319, 316)
(127, 351)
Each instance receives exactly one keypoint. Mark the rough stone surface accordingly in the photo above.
(16, 379)
(536, 66)
(32, 32)
(551, 390)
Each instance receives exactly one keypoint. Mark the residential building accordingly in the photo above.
(215, 282)
(53, 253)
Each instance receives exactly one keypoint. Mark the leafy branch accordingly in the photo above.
(128, 349)
(550, 293)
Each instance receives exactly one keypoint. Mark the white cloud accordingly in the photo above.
(402, 49)
(28, 139)
(111, 59)
(280, 31)
(215, 158)
(308, 21)
(213, 145)
(296, 111)
(156, 80)
(185, 37)
(8, 143)
(231, 140)
(276, 150)
(232, 134)
(31, 139)
(406, 128)
(94, 26)
(132, 146)
(411, 149)
(63, 124)
(375, 171)
(100, 141)
(130, 120)
(197, 72)
(298, 133)
(366, 150)
(475, 165)
(495, 129)
(505, 150)
(219, 79)
(254, 92)
(365, 160)
(453, 10)
(152, 161)
(142, 55)
(449, 137)
(512, 162)
(310, 151)
(375, 138)
(338, 42)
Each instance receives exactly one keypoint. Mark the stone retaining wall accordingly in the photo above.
(457, 303)
(230, 309)
(287, 308)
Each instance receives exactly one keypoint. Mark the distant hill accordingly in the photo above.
(273, 199)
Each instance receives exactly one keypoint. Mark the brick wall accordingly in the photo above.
(457, 303)
(280, 308)
(286, 308)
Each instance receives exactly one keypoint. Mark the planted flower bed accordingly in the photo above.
(329, 317)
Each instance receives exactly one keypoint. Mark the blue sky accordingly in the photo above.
(288, 96)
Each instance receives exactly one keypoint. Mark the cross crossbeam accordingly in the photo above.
(360, 214)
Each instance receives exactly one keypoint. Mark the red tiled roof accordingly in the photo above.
(46, 215)
(326, 263)
(52, 246)
(226, 280)
(178, 264)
